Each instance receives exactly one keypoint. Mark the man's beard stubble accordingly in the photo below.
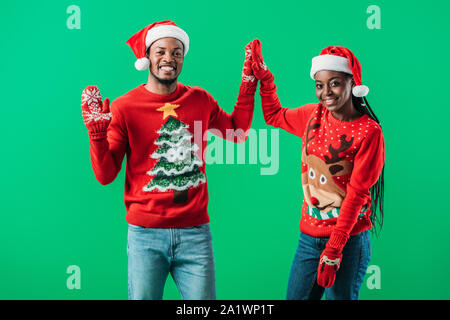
(165, 82)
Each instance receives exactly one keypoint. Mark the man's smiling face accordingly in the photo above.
(166, 57)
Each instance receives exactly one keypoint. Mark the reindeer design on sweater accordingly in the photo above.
(322, 194)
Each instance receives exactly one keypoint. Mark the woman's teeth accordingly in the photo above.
(329, 102)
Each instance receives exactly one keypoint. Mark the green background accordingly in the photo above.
(55, 213)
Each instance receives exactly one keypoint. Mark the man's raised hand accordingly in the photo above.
(247, 72)
(96, 114)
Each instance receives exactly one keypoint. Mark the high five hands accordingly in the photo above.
(255, 69)
(259, 68)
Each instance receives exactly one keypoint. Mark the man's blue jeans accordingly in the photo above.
(302, 283)
(185, 253)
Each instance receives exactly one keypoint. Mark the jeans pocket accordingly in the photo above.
(200, 226)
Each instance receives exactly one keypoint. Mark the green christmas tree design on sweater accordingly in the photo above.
(177, 167)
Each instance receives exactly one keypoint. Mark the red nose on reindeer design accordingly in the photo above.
(314, 201)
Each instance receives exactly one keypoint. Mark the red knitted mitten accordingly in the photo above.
(96, 114)
(330, 259)
(249, 82)
(260, 69)
(247, 72)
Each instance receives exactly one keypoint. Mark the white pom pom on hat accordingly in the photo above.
(144, 38)
(336, 58)
(360, 91)
(142, 64)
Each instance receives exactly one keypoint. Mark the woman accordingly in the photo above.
(342, 169)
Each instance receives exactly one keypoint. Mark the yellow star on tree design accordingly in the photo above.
(169, 110)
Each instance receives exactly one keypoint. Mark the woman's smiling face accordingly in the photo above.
(334, 90)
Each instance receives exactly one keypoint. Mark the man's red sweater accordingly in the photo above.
(137, 119)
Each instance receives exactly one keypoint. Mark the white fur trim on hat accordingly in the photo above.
(360, 91)
(142, 64)
(167, 31)
(329, 62)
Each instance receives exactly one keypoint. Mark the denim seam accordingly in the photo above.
(128, 267)
(356, 278)
(178, 286)
(171, 246)
(319, 246)
(314, 279)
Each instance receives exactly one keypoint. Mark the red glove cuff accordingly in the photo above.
(337, 241)
(248, 88)
(268, 86)
(97, 130)
(97, 135)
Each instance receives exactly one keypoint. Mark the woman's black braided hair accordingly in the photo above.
(377, 190)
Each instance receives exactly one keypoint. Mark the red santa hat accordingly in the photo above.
(341, 59)
(143, 39)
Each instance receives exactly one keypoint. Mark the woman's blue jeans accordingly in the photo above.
(302, 283)
(185, 253)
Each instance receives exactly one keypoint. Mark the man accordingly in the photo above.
(166, 192)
